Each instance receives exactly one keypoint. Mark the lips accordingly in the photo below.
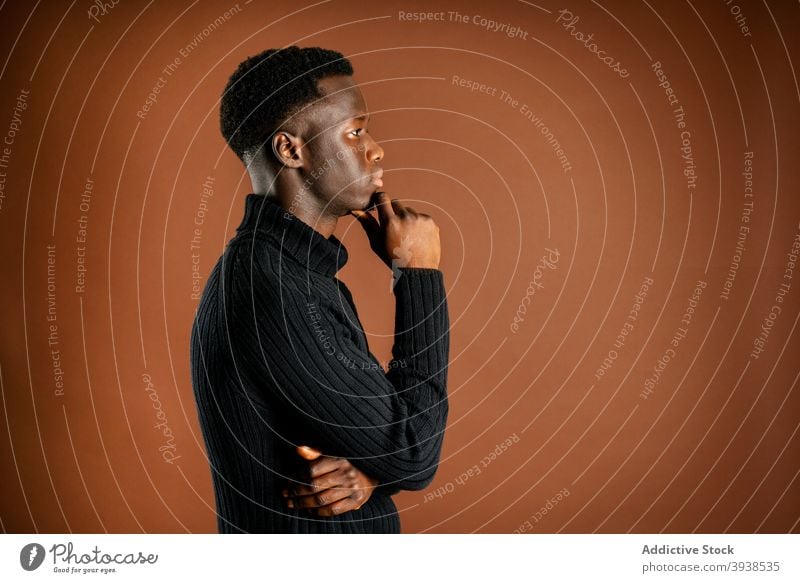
(377, 178)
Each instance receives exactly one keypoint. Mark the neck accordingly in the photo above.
(306, 211)
(287, 191)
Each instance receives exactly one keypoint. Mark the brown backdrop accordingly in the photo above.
(641, 238)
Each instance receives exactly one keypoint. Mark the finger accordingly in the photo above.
(398, 207)
(320, 499)
(323, 465)
(385, 208)
(340, 507)
(308, 453)
(359, 214)
(410, 210)
(367, 221)
(338, 478)
(305, 475)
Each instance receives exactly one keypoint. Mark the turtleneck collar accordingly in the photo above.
(296, 239)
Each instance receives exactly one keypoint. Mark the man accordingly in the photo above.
(305, 431)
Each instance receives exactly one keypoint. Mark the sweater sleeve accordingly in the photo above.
(389, 425)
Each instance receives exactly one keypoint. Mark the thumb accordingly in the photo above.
(308, 453)
(385, 208)
(367, 221)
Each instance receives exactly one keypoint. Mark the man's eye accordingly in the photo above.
(357, 131)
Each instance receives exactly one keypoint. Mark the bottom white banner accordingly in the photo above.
(317, 558)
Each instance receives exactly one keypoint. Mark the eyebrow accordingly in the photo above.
(364, 117)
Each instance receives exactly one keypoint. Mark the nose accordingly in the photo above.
(374, 151)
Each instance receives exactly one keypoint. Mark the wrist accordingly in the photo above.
(422, 264)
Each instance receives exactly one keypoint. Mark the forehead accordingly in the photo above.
(342, 101)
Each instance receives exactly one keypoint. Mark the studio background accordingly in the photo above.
(571, 202)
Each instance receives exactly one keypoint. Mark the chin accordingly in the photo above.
(359, 202)
(372, 199)
(364, 202)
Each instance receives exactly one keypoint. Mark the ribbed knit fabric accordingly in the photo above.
(279, 359)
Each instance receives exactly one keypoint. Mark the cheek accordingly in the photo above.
(348, 167)
(345, 164)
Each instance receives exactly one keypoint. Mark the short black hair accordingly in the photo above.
(268, 88)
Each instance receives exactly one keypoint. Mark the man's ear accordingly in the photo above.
(287, 149)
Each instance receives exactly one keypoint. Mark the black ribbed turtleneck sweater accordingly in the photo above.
(279, 359)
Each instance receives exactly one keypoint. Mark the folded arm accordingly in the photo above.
(389, 425)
